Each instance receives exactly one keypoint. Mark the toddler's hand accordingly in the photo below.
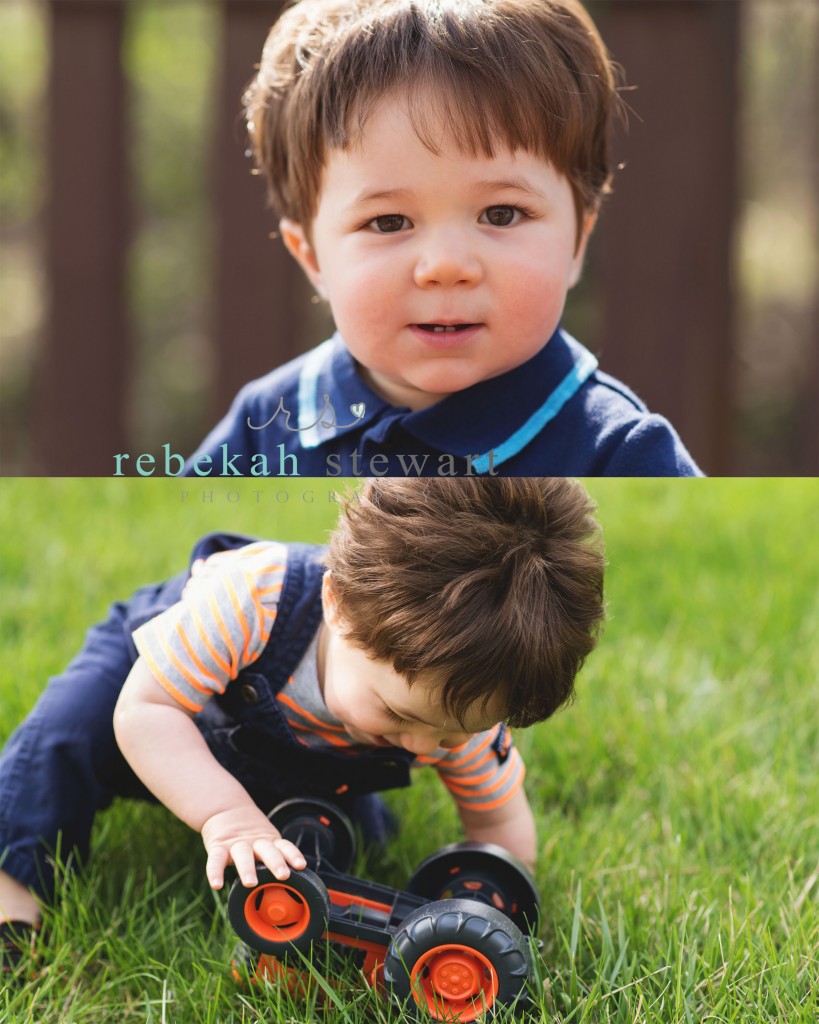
(243, 837)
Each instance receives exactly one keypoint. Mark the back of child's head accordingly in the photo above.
(521, 74)
(490, 588)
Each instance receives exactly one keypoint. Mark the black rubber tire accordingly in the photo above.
(321, 831)
(308, 896)
(471, 926)
(504, 883)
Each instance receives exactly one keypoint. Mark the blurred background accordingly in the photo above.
(140, 286)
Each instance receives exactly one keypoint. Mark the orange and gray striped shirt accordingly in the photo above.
(222, 624)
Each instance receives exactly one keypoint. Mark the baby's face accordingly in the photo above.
(405, 241)
(378, 707)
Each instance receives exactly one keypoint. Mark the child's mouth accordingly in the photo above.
(446, 337)
(445, 328)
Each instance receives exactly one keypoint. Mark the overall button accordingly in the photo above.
(250, 695)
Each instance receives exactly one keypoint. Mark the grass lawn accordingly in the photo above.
(677, 799)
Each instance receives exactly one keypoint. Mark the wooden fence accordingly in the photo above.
(663, 254)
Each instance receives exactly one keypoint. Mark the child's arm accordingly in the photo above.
(511, 826)
(165, 749)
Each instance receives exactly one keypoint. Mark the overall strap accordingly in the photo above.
(213, 543)
(298, 617)
(298, 614)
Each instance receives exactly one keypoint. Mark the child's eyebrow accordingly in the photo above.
(506, 184)
(480, 187)
(368, 196)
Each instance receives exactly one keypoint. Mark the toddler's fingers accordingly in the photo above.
(278, 856)
(245, 862)
(291, 853)
(215, 867)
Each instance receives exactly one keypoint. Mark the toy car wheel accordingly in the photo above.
(278, 917)
(483, 872)
(457, 960)
(320, 830)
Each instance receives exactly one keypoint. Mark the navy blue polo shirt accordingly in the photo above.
(555, 415)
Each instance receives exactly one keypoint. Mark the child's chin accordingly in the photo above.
(436, 386)
(448, 376)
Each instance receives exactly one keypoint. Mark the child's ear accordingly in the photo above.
(295, 239)
(589, 220)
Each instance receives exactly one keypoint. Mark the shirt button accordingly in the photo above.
(250, 695)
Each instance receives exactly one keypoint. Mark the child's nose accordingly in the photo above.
(454, 740)
(447, 260)
(420, 743)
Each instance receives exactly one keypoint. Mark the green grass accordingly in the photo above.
(677, 800)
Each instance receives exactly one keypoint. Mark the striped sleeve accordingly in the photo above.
(220, 625)
(482, 773)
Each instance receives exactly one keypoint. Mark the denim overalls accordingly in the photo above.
(63, 764)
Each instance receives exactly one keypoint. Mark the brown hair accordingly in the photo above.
(488, 586)
(528, 74)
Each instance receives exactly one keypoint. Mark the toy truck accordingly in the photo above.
(455, 944)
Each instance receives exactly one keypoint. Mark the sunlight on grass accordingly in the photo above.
(676, 799)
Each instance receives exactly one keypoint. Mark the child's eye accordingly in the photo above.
(393, 717)
(503, 216)
(388, 223)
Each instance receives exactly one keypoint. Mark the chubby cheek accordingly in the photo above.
(534, 296)
(365, 294)
(337, 696)
(330, 700)
(346, 701)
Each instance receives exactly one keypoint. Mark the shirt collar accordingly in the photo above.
(500, 416)
(332, 396)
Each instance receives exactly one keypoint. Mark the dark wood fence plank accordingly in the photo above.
(665, 255)
(80, 409)
(259, 293)
(807, 462)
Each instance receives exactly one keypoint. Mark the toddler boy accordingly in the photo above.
(438, 168)
(442, 612)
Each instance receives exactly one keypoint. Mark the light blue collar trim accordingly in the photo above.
(309, 413)
(584, 367)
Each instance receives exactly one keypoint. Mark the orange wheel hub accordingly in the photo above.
(454, 981)
(277, 912)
